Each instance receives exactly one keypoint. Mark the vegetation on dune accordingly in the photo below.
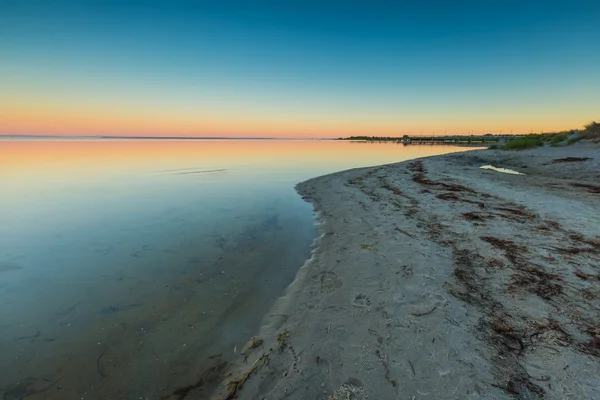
(559, 138)
(591, 132)
(526, 142)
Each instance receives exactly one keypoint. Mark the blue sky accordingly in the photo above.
(297, 68)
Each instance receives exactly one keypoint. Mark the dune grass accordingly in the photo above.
(558, 138)
(591, 132)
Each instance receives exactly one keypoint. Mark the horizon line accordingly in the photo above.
(156, 137)
(400, 136)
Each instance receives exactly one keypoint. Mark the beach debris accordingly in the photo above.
(281, 339)
(254, 343)
(207, 379)
(590, 188)
(412, 368)
(516, 213)
(477, 217)
(512, 251)
(404, 232)
(420, 314)
(235, 385)
(570, 159)
(522, 387)
(386, 368)
(420, 177)
(586, 277)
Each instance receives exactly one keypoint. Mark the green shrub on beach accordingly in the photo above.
(524, 143)
(558, 138)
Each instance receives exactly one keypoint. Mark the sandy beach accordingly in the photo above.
(436, 279)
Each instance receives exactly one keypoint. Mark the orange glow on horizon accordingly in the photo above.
(52, 120)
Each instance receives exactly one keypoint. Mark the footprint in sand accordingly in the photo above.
(330, 282)
(361, 300)
(361, 303)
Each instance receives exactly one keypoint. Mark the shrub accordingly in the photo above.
(524, 143)
(592, 131)
(559, 137)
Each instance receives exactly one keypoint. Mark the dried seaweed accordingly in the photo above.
(475, 216)
(211, 376)
(386, 368)
(590, 188)
(586, 277)
(507, 335)
(570, 159)
(516, 214)
(534, 280)
(234, 386)
(575, 250)
(448, 196)
(254, 343)
(512, 251)
(392, 189)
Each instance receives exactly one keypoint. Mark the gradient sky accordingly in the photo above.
(297, 68)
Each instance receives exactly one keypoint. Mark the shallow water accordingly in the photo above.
(129, 267)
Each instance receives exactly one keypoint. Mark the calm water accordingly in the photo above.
(127, 266)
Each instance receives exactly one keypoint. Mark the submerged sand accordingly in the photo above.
(436, 279)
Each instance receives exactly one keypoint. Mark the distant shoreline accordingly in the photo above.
(487, 139)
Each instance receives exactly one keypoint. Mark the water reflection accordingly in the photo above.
(126, 267)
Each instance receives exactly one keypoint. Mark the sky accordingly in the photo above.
(297, 69)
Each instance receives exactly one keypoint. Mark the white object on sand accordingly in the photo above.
(503, 170)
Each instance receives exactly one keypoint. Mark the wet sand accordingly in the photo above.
(436, 279)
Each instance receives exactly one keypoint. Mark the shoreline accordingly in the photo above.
(434, 278)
